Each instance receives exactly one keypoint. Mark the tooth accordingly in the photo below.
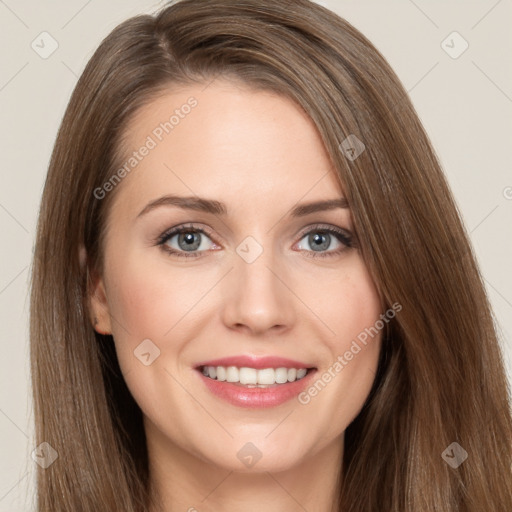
(301, 373)
(232, 374)
(221, 373)
(253, 377)
(281, 375)
(248, 375)
(266, 376)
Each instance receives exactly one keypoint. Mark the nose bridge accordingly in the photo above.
(258, 297)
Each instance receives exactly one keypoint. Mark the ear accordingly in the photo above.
(96, 297)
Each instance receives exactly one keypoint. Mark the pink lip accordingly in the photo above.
(256, 398)
(255, 362)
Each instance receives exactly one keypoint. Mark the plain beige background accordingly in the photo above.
(465, 104)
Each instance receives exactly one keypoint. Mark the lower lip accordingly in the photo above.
(256, 398)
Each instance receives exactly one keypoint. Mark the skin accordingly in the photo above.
(258, 153)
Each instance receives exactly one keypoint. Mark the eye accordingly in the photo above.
(321, 238)
(187, 241)
(190, 241)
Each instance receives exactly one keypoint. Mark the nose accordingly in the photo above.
(257, 297)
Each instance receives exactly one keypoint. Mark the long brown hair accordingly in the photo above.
(441, 377)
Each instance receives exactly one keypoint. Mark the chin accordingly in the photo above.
(257, 456)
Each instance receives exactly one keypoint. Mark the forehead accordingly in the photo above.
(226, 140)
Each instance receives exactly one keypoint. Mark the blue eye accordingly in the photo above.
(321, 238)
(191, 241)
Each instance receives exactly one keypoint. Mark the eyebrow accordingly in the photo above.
(217, 208)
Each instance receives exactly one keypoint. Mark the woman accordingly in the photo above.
(251, 285)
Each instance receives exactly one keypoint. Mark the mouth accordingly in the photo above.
(254, 377)
(255, 382)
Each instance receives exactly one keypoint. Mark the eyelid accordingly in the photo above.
(325, 227)
(182, 227)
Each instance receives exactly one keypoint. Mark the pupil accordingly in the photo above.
(321, 241)
(190, 243)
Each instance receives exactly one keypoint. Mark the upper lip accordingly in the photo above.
(255, 362)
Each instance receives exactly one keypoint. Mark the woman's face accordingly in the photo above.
(258, 279)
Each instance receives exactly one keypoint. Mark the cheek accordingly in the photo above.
(352, 310)
(149, 298)
(146, 301)
(351, 306)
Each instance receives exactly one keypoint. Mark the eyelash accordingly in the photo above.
(345, 237)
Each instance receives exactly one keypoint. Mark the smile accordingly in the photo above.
(255, 382)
